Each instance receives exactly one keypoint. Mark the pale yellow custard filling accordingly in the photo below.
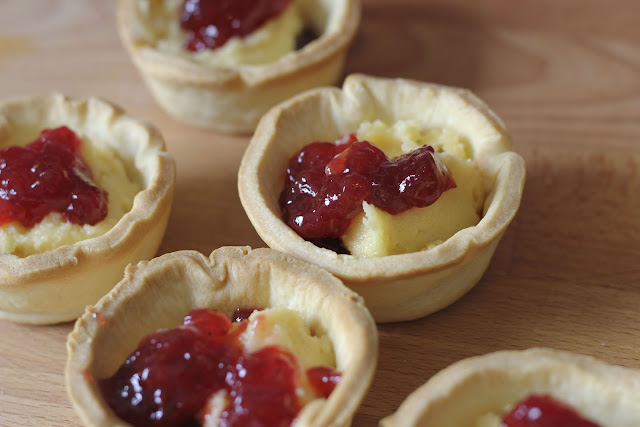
(159, 26)
(110, 174)
(489, 420)
(284, 328)
(378, 233)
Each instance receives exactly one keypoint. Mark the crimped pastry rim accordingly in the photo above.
(454, 251)
(32, 266)
(149, 205)
(223, 268)
(327, 47)
(590, 380)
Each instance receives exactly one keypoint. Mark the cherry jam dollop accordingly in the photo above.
(209, 24)
(242, 313)
(323, 379)
(49, 175)
(170, 377)
(544, 411)
(326, 184)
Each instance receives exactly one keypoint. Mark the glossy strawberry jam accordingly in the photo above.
(326, 184)
(209, 24)
(544, 411)
(323, 379)
(242, 313)
(49, 175)
(169, 379)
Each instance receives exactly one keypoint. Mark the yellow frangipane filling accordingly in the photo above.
(378, 233)
(488, 420)
(109, 173)
(158, 25)
(284, 328)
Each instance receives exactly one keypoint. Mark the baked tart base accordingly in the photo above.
(396, 287)
(232, 99)
(463, 392)
(56, 285)
(159, 293)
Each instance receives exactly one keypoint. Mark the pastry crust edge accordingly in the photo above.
(232, 100)
(56, 286)
(222, 281)
(589, 385)
(397, 287)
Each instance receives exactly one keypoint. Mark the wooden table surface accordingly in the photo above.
(565, 77)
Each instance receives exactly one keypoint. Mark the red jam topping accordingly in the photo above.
(544, 411)
(323, 379)
(242, 313)
(49, 175)
(169, 379)
(326, 184)
(211, 23)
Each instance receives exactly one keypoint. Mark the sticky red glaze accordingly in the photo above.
(544, 411)
(169, 378)
(171, 374)
(323, 379)
(242, 313)
(211, 23)
(326, 184)
(49, 175)
(265, 395)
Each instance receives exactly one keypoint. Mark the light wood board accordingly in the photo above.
(564, 76)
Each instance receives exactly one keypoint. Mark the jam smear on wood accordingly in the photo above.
(49, 175)
(169, 379)
(326, 184)
(211, 23)
(544, 411)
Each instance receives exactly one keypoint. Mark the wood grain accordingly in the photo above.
(563, 75)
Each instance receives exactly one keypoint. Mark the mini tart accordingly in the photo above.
(460, 394)
(395, 287)
(233, 99)
(56, 285)
(159, 293)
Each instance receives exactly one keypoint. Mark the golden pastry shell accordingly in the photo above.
(159, 293)
(606, 394)
(233, 99)
(396, 287)
(57, 285)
